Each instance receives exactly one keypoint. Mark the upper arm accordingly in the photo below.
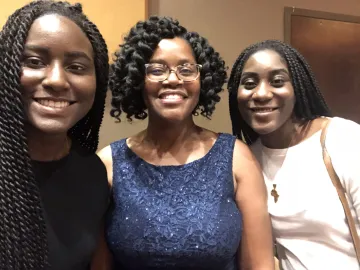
(251, 198)
(102, 259)
(352, 176)
(343, 145)
(105, 155)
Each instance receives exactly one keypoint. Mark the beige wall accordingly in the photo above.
(113, 17)
(231, 25)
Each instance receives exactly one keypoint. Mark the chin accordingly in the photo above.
(173, 118)
(51, 127)
(172, 115)
(263, 129)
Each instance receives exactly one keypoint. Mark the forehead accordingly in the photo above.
(173, 51)
(265, 60)
(57, 32)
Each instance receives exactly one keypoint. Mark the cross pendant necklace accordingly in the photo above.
(304, 128)
(274, 193)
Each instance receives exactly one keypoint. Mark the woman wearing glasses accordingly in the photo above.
(183, 196)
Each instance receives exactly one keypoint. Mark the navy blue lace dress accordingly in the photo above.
(174, 217)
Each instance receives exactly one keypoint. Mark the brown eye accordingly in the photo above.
(277, 83)
(249, 84)
(157, 71)
(186, 71)
(76, 68)
(33, 62)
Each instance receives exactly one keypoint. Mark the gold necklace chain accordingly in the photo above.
(274, 193)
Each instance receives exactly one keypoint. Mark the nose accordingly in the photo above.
(262, 92)
(173, 79)
(56, 78)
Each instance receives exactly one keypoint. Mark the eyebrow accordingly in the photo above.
(76, 54)
(40, 49)
(272, 72)
(280, 70)
(180, 62)
(46, 50)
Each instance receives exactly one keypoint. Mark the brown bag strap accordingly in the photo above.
(341, 192)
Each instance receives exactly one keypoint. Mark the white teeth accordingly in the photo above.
(171, 97)
(263, 110)
(54, 104)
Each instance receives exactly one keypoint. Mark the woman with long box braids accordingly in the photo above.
(53, 188)
(277, 108)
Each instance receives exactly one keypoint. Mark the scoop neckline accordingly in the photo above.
(179, 165)
(283, 151)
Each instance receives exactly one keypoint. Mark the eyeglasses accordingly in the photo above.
(159, 72)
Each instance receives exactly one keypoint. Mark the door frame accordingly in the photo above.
(293, 11)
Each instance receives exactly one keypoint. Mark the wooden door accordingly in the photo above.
(331, 45)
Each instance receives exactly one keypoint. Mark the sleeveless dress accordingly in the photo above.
(174, 217)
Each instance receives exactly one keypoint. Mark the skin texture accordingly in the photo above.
(58, 83)
(266, 84)
(172, 52)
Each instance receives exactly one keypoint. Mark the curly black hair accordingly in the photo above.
(23, 237)
(309, 103)
(128, 71)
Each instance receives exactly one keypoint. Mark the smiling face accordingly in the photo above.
(58, 76)
(266, 96)
(172, 99)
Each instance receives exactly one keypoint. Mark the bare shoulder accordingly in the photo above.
(208, 136)
(242, 153)
(245, 164)
(317, 124)
(134, 142)
(105, 155)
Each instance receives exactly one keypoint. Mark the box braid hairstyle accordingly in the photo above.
(309, 103)
(127, 78)
(23, 238)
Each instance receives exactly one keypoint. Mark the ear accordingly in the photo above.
(196, 110)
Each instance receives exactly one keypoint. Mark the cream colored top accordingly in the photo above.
(308, 220)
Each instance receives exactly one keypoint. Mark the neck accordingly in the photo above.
(166, 136)
(287, 135)
(45, 147)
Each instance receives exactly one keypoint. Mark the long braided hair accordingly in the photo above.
(23, 237)
(309, 104)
